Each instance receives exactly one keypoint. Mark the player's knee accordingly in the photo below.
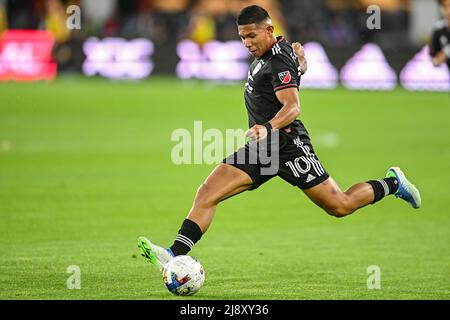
(339, 210)
(204, 196)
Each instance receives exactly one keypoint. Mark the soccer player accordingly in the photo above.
(440, 41)
(271, 99)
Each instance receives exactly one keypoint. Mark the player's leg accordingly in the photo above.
(334, 201)
(224, 182)
(303, 169)
(329, 196)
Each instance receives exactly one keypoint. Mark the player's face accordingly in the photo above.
(256, 38)
(445, 9)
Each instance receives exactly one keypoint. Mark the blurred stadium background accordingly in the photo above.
(86, 117)
(137, 39)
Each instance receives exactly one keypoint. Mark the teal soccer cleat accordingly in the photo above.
(406, 190)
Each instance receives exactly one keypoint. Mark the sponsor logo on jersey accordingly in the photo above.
(285, 77)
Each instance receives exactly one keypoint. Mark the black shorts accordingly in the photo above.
(292, 159)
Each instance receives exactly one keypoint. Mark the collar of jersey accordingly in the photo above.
(269, 51)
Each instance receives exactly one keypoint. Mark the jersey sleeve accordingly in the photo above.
(283, 73)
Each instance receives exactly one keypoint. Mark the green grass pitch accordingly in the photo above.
(85, 169)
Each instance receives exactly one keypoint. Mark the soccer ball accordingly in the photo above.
(183, 275)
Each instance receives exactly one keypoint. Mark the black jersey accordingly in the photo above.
(441, 40)
(275, 70)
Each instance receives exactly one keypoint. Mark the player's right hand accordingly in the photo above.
(256, 133)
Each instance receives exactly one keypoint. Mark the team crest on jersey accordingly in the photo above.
(285, 77)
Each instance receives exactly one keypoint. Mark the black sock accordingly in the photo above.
(187, 236)
(383, 187)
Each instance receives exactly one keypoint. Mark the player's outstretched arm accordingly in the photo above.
(288, 113)
(300, 52)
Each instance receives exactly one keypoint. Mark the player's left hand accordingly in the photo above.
(300, 53)
(257, 133)
(299, 50)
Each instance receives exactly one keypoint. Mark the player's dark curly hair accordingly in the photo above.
(252, 14)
